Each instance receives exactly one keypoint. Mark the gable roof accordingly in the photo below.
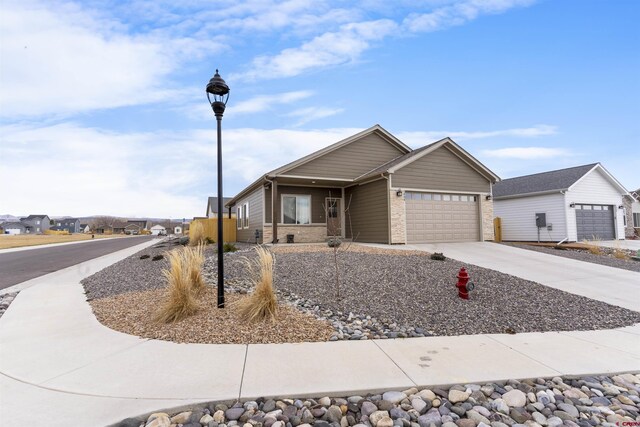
(408, 158)
(30, 217)
(212, 203)
(549, 182)
(383, 133)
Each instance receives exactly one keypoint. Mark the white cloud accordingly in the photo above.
(526, 153)
(305, 115)
(331, 48)
(421, 138)
(264, 102)
(459, 13)
(63, 60)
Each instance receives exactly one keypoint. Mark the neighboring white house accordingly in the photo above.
(635, 211)
(158, 229)
(14, 228)
(573, 204)
(212, 207)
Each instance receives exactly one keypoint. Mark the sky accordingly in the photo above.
(103, 107)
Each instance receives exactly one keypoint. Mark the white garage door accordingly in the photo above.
(435, 217)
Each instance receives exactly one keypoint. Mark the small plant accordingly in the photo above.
(209, 241)
(229, 247)
(592, 245)
(157, 257)
(196, 234)
(145, 256)
(180, 301)
(261, 304)
(438, 256)
(334, 242)
(618, 252)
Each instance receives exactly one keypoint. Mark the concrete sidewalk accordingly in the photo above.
(56, 357)
(633, 245)
(608, 284)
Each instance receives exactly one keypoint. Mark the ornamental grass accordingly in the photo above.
(180, 301)
(261, 304)
(196, 234)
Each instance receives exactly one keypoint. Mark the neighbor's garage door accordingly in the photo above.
(595, 221)
(434, 217)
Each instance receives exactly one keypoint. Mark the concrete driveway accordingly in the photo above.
(633, 245)
(611, 285)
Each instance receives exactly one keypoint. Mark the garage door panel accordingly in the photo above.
(441, 218)
(595, 221)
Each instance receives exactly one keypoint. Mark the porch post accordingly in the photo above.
(275, 211)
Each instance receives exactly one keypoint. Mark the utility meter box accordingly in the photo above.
(541, 220)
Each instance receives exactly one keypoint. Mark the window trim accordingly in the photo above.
(239, 219)
(636, 219)
(296, 219)
(245, 213)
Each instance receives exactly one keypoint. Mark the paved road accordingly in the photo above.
(16, 267)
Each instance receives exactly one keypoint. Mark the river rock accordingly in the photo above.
(456, 396)
(515, 398)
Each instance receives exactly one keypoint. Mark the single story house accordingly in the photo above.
(632, 211)
(36, 223)
(85, 228)
(142, 224)
(371, 187)
(166, 228)
(212, 206)
(72, 225)
(158, 229)
(573, 204)
(14, 228)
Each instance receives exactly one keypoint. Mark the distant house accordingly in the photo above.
(14, 228)
(572, 204)
(72, 225)
(85, 228)
(132, 228)
(142, 224)
(36, 224)
(166, 228)
(158, 230)
(212, 207)
(118, 227)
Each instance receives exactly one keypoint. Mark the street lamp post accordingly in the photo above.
(218, 94)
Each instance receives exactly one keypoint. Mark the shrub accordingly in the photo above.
(209, 240)
(229, 247)
(334, 243)
(157, 257)
(618, 252)
(438, 256)
(261, 304)
(196, 234)
(144, 256)
(180, 301)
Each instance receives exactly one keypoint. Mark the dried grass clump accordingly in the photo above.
(196, 234)
(193, 259)
(618, 252)
(592, 246)
(180, 301)
(261, 304)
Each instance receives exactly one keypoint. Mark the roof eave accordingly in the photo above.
(534, 193)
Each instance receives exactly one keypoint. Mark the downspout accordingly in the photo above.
(388, 207)
(270, 181)
(566, 217)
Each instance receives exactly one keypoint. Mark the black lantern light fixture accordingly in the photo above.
(488, 197)
(399, 192)
(218, 95)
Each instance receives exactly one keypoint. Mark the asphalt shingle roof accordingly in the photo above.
(546, 181)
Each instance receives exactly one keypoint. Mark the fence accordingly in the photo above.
(497, 229)
(56, 232)
(211, 228)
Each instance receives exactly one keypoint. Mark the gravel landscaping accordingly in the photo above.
(383, 294)
(6, 300)
(606, 258)
(609, 401)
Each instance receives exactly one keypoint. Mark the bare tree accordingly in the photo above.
(103, 221)
(335, 233)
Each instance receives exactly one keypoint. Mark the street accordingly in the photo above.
(17, 267)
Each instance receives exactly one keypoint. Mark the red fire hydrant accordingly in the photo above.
(464, 286)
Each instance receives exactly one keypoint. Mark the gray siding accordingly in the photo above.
(318, 195)
(350, 161)
(440, 170)
(255, 216)
(368, 216)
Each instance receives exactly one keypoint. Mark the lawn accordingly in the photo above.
(20, 240)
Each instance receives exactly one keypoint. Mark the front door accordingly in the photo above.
(332, 211)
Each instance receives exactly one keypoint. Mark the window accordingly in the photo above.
(437, 197)
(446, 197)
(245, 215)
(37, 222)
(426, 196)
(296, 209)
(636, 220)
(332, 208)
(455, 198)
(238, 217)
